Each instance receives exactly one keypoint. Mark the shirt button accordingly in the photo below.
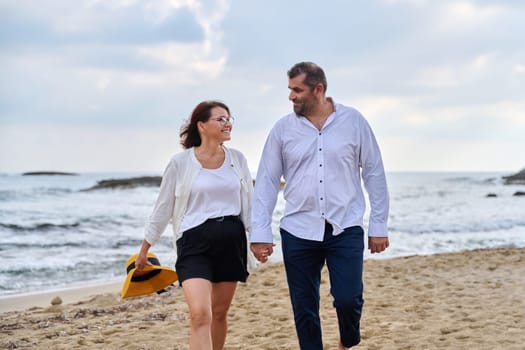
(321, 198)
(320, 164)
(320, 149)
(320, 181)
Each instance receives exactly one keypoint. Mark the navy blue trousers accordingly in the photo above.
(303, 261)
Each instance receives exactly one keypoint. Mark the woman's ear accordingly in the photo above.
(200, 126)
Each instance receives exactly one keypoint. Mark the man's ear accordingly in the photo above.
(318, 89)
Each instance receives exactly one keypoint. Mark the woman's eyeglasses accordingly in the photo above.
(224, 120)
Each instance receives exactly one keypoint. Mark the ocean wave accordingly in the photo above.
(459, 179)
(39, 227)
(43, 245)
(97, 223)
(52, 190)
(11, 195)
(111, 245)
(475, 180)
(6, 195)
(23, 279)
(457, 228)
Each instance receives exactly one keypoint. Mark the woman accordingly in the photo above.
(206, 191)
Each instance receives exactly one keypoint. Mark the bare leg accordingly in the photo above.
(198, 293)
(222, 295)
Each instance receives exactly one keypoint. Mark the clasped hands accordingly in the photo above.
(262, 251)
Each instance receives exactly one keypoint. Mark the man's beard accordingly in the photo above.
(301, 109)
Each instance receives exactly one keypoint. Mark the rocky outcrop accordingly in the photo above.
(33, 173)
(134, 182)
(515, 179)
(127, 183)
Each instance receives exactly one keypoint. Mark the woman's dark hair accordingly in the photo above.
(189, 135)
(313, 74)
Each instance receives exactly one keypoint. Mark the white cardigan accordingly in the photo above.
(175, 191)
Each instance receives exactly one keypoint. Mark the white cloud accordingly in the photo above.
(470, 12)
(519, 68)
(459, 73)
(193, 62)
(511, 113)
(265, 89)
(379, 104)
(481, 62)
(103, 82)
(410, 2)
(438, 77)
(159, 10)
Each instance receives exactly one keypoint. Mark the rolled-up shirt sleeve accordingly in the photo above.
(163, 209)
(374, 181)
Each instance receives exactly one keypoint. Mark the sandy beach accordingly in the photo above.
(468, 300)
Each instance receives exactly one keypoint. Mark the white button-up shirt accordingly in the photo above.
(322, 170)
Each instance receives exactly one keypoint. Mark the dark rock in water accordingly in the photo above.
(515, 179)
(132, 183)
(33, 173)
(127, 183)
(519, 193)
(490, 195)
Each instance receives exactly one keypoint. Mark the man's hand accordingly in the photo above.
(262, 251)
(377, 244)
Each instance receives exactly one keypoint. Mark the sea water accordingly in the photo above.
(53, 234)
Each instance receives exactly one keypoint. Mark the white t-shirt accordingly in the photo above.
(214, 193)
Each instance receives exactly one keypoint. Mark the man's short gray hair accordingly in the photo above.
(313, 74)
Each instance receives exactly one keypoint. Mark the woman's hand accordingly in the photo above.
(142, 257)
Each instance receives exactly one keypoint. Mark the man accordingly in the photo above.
(321, 150)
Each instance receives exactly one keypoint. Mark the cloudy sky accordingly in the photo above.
(104, 85)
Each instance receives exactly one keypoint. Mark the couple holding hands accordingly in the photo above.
(323, 150)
